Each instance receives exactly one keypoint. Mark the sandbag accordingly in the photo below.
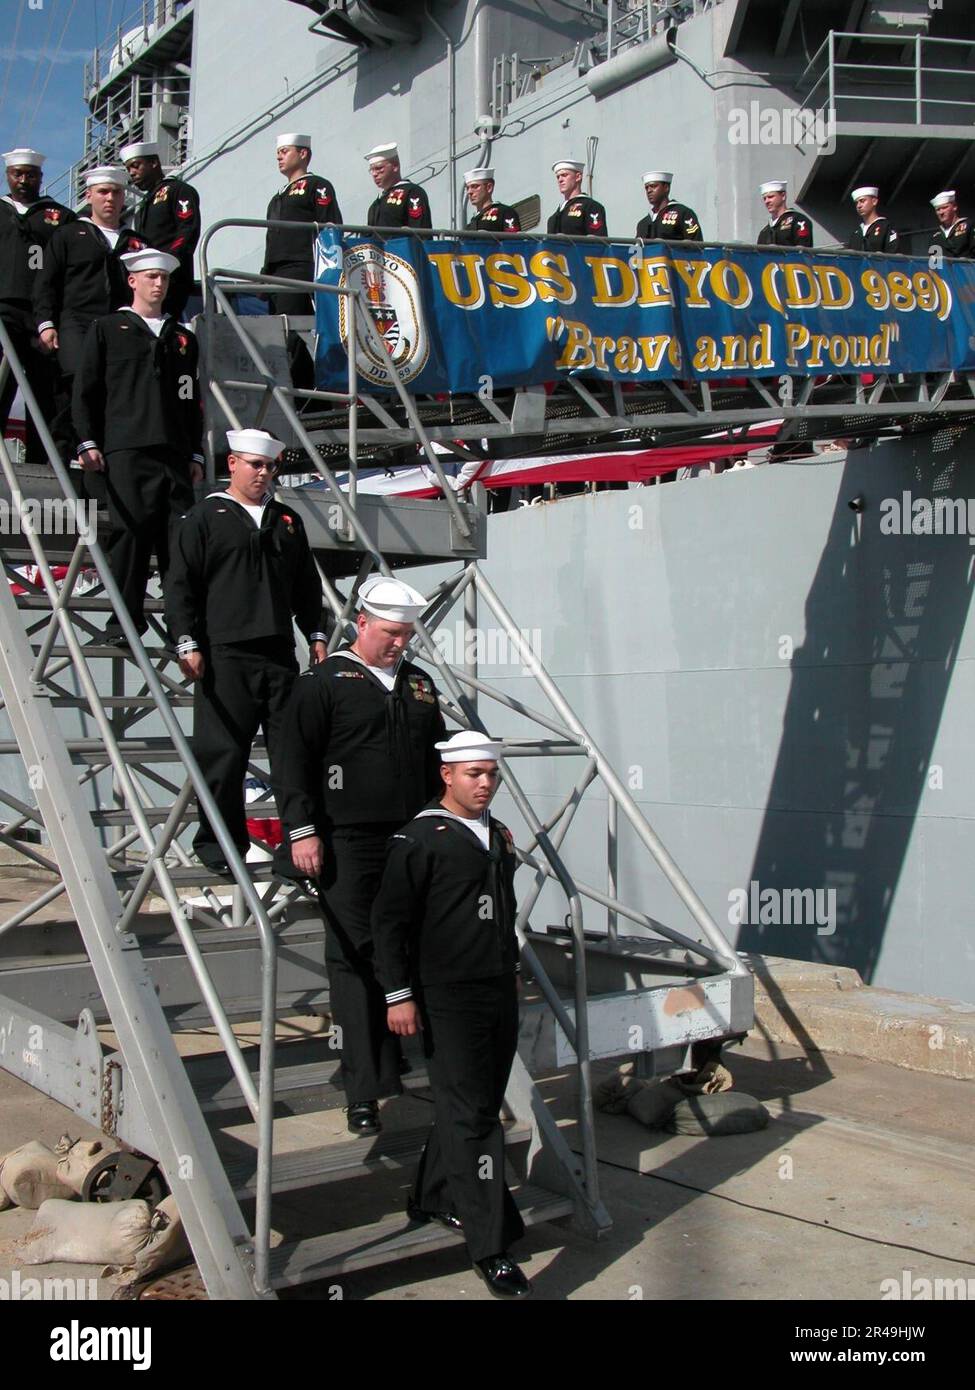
(612, 1094)
(77, 1157)
(103, 1233)
(727, 1112)
(29, 1176)
(654, 1103)
(128, 1235)
(707, 1080)
(167, 1244)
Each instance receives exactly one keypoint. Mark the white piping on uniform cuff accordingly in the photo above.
(185, 646)
(43, 327)
(302, 833)
(399, 996)
(86, 445)
(318, 637)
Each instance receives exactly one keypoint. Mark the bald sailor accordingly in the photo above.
(577, 214)
(168, 217)
(28, 220)
(447, 958)
(358, 761)
(489, 215)
(400, 203)
(242, 576)
(785, 226)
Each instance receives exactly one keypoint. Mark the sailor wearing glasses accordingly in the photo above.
(242, 574)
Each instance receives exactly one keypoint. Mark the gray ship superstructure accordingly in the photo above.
(787, 680)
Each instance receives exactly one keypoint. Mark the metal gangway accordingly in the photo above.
(95, 1002)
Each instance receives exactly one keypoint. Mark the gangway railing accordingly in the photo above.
(136, 1013)
(578, 412)
(215, 1224)
(462, 684)
(931, 86)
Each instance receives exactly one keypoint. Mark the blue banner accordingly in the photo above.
(467, 314)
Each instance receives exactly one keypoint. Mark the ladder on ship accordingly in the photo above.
(112, 797)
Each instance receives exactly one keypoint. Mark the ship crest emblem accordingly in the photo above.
(390, 293)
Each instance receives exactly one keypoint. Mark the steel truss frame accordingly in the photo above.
(462, 688)
(232, 1262)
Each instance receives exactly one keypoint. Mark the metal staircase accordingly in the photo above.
(110, 780)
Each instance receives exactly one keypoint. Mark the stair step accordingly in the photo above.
(393, 1238)
(100, 649)
(119, 701)
(146, 750)
(328, 1162)
(193, 877)
(156, 815)
(306, 1078)
(82, 603)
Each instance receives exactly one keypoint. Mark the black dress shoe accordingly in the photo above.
(364, 1117)
(503, 1277)
(446, 1218)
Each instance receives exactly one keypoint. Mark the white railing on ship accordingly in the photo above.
(832, 73)
(131, 35)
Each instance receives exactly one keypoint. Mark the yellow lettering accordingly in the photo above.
(578, 346)
(602, 346)
(706, 356)
(627, 357)
(522, 290)
(801, 287)
(655, 286)
(769, 288)
(654, 348)
(731, 285)
(551, 270)
(693, 274)
(760, 347)
(839, 350)
(735, 351)
(819, 344)
(836, 288)
(449, 266)
(859, 350)
(603, 269)
(796, 338)
(878, 295)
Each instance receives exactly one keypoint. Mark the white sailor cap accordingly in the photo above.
(941, 200)
(254, 442)
(773, 186)
(574, 164)
(478, 175)
(149, 260)
(147, 149)
(390, 599)
(107, 173)
(469, 746)
(380, 153)
(15, 158)
(867, 191)
(656, 176)
(291, 137)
